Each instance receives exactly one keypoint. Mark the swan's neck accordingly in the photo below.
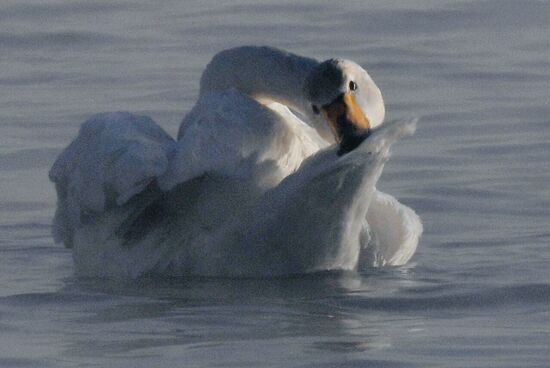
(262, 72)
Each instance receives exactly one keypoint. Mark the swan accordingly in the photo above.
(273, 172)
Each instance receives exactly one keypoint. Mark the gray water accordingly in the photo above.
(477, 292)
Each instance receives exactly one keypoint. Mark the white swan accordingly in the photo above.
(248, 188)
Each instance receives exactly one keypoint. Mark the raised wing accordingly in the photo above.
(115, 157)
(315, 219)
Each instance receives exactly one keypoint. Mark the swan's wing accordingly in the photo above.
(114, 157)
(314, 220)
(394, 230)
(231, 134)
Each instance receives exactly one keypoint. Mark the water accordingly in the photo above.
(477, 292)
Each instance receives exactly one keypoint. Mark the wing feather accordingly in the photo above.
(114, 157)
(231, 134)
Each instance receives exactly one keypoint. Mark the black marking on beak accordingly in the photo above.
(352, 136)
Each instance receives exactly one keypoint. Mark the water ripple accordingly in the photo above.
(80, 39)
(489, 299)
(25, 159)
(32, 11)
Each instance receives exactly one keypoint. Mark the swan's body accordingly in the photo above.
(248, 189)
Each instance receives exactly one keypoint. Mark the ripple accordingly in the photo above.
(23, 363)
(8, 206)
(503, 149)
(25, 159)
(33, 11)
(55, 39)
(361, 363)
(501, 297)
(33, 300)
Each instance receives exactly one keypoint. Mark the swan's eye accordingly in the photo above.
(315, 109)
(352, 86)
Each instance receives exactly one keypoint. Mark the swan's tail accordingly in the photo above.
(394, 230)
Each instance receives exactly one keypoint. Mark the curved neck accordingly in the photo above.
(261, 72)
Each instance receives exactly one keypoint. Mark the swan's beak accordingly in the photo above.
(347, 121)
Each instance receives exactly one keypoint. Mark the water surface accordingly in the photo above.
(476, 294)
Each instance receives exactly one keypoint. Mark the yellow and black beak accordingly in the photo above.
(347, 121)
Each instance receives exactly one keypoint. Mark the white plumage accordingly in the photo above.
(248, 188)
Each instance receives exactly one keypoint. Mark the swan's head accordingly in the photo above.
(344, 99)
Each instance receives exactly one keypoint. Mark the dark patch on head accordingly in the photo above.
(328, 76)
